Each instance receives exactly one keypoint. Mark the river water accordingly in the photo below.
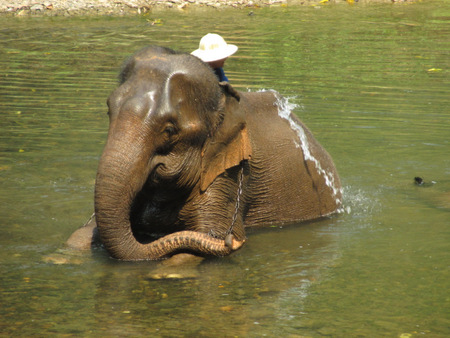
(371, 82)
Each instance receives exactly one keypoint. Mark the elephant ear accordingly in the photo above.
(230, 144)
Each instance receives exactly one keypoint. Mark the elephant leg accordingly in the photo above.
(84, 237)
(76, 246)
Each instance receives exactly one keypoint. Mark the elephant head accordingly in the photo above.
(172, 131)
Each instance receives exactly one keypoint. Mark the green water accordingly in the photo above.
(371, 82)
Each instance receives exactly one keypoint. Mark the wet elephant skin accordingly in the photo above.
(190, 163)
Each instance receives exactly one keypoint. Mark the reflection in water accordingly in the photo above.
(241, 295)
(372, 85)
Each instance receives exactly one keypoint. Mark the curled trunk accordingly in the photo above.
(116, 188)
(191, 241)
(117, 236)
(126, 247)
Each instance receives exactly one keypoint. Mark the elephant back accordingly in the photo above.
(292, 177)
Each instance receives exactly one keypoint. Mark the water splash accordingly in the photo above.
(285, 109)
(360, 203)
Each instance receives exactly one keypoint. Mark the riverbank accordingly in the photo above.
(133, 7)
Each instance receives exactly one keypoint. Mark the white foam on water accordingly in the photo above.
(285, 109)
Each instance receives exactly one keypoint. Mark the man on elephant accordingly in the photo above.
(214, 51)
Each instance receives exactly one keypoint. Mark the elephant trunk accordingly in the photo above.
(116, 188)
(190, 241)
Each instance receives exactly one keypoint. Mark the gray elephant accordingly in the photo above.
(190, 163)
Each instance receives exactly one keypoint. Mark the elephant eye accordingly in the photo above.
(170, 130)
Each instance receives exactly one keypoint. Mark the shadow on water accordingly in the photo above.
(371, 83)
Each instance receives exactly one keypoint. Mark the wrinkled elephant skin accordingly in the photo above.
(190, 163)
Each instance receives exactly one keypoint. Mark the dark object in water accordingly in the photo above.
(418, 180)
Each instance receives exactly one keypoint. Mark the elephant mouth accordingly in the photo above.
(154, 211)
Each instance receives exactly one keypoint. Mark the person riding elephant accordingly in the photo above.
(214, 51)
(190, 162)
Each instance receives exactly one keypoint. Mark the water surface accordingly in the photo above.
(371, 82)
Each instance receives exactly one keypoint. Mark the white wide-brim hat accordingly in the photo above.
(213, 47)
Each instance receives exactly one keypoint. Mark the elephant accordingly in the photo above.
(190, 163)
